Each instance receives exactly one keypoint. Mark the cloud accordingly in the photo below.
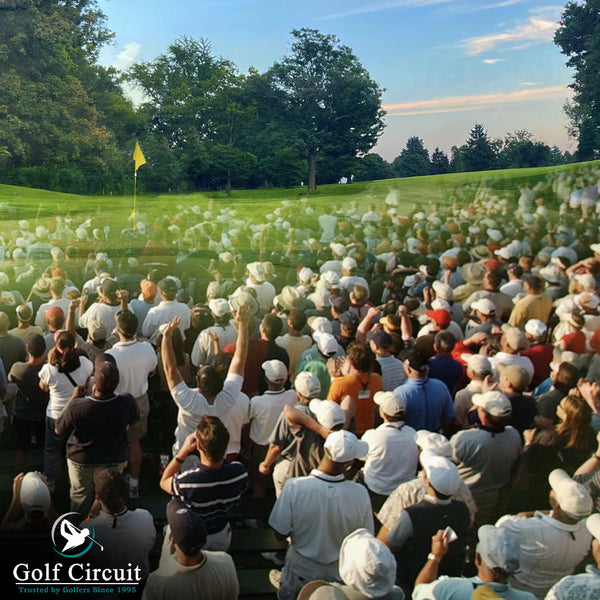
(538, 28)
(128, 56)
(491, 6)
(492, 61)
(449, 104)
(528, 83)
(375, 7)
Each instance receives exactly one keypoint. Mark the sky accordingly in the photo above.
(445, 65)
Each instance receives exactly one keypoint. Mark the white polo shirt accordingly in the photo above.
(193, 405)
(392, 459)
(135, 361)
(550, 550)
(163, 313)
(319, 511)
(265, 411)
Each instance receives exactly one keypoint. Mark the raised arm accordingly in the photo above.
(172, 374)
(242, 322)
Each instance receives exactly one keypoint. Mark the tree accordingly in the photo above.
(50, 129)
(578, 36)
(413, 160)
(329, 96)
(439, 162)
(373, 167)
(478, 154)
(456, 160)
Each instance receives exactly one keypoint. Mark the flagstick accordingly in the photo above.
(134, 196)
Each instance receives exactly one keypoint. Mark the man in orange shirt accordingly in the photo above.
(354, 391)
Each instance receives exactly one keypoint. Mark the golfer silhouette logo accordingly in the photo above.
(72, 541)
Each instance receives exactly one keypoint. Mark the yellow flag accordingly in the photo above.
(138, 157)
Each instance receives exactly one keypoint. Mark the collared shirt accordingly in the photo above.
(393, 456)
(319, 511)
(460, 588)
(135, 361)
(550, 550)
(164, 313)
(585, 586)
(265, 411)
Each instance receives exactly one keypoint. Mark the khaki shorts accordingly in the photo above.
(138, 430)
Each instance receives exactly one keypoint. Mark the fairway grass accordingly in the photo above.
(41, 206)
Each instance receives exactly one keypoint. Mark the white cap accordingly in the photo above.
(504, 252)
(574, 499)
(440, 304)
(257, 270)
(588, 299)
(593, 521)
(307, 384)
(35, 495)
(219, 307)
(494, 403)
(478, 363)
(338, 250)
(326, 343)
(367, 564)
(484, 305)
(305, 274)
(435, 442)
(498, 548)
(320, 324)
(275, 371)
(595, 248)
(587, 281)
(344, 446)
(328, 413)
(536, 328)
(320, 297)
(349, 263)
(391, 404)
(442, 290)
(441, 473)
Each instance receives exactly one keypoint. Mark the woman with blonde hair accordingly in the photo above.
(568, 444)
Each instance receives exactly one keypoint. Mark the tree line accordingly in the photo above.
(518, 149)
(313, 116)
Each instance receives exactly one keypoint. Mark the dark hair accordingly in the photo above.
(127, 323)
(566, 377)
(212, 437)
(534, 282)
(35, 345)
(418, 361)
(515, 269)
(111, 487)
(444, 342)
(361, 356)
(297, 319)
(63, 355)
(177, 345)
(209, 381)
(495, 278)
(222, 362)
(272, 326)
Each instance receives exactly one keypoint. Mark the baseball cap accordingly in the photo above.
(343, 446)
(517, 376)
(326, 343)
(305, 274)
(593, 521)
(349, 320)
(24, 313)
(34, 495)
(391, 404)
(96, 331)
(498, 548)
(515, 338)
(574, 499)
(167, 285)
(275, 371)
(187, 527)
(494, 403)
(349, 263)
(442, 290)
(320, 297)
(484, 305)
(392, 322)
(320, 324)
(219, 307)
(307, 384)
(328, 413)
(536, 328)
(434, 442)
(340, 303)
(479, 364)
(441, 317)
(586, 280)
(367, 564)
(109, 286)
(441, 473)
(382, 339)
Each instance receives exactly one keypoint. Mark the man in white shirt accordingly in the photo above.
(553, 544)
(393, 452)
(318, 512)
(136, 361)
(57, 287)
(167, 309)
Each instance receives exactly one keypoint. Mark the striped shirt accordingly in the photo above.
(212, 493)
